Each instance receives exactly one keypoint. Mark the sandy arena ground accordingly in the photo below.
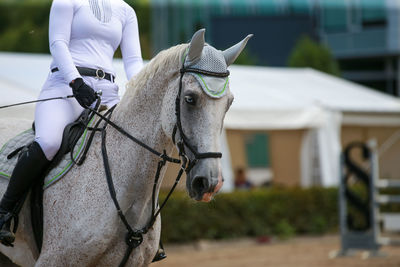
(298, 252)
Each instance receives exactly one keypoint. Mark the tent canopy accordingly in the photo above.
(287, 98)
(265, 98)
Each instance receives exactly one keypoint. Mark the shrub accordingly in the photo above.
(282, 212)
(246, 58)
(24, 26)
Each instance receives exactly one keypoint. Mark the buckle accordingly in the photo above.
(100, 74)
(133, 239)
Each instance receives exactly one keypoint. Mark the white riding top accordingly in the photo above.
(86, 33)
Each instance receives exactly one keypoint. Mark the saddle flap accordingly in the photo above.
(74, 137)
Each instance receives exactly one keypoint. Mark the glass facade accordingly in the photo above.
(352, 29)
(180, 18)
(334, 15)
(331, 16)
(373, 12)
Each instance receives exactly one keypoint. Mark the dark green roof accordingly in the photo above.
(270, 7)
(259, 7)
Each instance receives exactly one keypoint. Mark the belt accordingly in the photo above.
(98, 73)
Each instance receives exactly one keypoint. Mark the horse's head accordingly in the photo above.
(203, 99)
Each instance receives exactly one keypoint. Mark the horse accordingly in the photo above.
(81, 226)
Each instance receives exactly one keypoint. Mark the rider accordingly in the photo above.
(83, 36)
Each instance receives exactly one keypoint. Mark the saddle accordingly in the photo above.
(75, 143)
(71, 135)
(74, 140)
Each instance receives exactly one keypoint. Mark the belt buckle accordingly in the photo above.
(100, 74)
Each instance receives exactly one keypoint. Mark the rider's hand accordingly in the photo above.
(84, 94)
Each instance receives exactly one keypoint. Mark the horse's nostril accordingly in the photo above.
(200, 185)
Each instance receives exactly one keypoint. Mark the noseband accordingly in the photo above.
(134, 237)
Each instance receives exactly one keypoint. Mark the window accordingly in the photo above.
(373, 13)
(334, 15)
(257, 147)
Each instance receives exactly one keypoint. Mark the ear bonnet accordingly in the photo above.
(206, 59)
(211, 60)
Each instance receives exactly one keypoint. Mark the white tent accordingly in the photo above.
(22, 76)
(265, 99)
(285, 98)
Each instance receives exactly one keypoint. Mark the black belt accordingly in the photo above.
(100, 74)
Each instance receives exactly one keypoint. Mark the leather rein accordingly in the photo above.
(134, 237)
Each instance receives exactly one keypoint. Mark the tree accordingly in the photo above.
(308, 53)
(246, 58)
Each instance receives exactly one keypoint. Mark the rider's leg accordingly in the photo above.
(31, 164)
(51, 117)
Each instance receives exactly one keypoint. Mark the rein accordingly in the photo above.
(36, 101)
(134, 237)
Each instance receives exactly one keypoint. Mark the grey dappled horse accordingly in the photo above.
(81, 225)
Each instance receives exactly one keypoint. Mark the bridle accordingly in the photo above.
(134, 237)
(178, 126)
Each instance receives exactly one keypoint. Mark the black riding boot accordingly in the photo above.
(30, 167)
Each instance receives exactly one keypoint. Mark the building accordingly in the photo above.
(286, 126)
(363, 35)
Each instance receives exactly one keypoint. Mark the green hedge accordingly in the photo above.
(281, 212)
(24, 26)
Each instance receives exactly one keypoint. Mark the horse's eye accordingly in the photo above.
(190, 100)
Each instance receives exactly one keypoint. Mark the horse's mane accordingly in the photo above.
(168, 59)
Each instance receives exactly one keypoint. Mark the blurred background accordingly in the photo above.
(317, 76)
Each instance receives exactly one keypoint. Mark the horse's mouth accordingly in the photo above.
(206, 195)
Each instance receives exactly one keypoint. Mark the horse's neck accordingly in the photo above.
(141, 117)
(140, 114)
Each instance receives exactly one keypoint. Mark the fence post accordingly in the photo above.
(365, 238)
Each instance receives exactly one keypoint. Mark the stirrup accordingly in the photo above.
(7, 237)
(160, 255)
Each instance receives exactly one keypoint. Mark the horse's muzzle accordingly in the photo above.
(204, 188)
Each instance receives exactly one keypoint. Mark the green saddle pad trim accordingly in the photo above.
(5, 145)
(82, 141)
(58, 171)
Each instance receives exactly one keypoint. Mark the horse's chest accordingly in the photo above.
(141, 256)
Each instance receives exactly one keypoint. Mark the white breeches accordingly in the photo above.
(52, 116)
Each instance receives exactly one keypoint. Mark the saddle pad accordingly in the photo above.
(26, 137)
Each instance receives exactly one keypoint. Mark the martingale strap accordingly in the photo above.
(134, 237)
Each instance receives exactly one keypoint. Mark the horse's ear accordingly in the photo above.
(233, 52)
(196, 46)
